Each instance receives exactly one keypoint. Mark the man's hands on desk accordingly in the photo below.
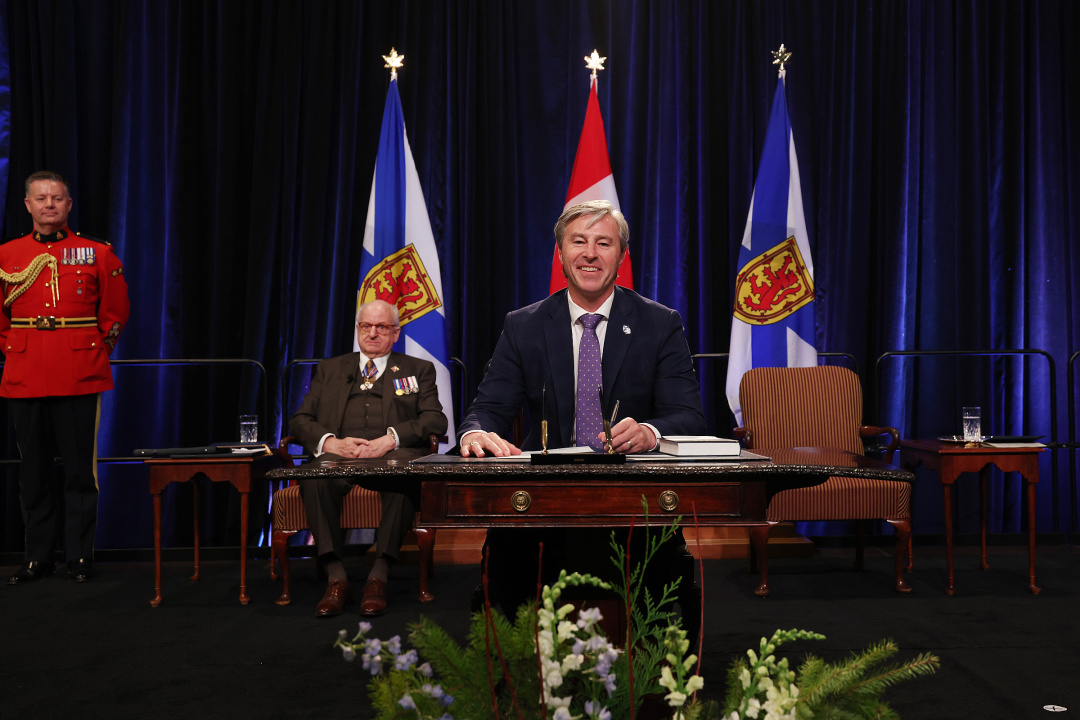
(627, 436)
(351, 447)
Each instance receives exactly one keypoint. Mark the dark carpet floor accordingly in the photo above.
(99, 650)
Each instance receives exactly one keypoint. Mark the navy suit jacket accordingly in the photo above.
(646, 367)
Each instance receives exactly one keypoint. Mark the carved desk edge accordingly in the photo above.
(786, 463)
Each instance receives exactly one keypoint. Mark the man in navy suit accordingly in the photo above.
(645, 360)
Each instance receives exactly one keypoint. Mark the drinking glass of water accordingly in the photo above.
(249, 428)
(972, 424)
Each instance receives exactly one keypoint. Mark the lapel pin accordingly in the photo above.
(626, 329)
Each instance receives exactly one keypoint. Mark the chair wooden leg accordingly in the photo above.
(903, 540)
(425, 540)
(279, 549)
(273, 556)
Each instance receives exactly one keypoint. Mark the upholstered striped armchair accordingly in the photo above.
(822, 407)
(361, 509)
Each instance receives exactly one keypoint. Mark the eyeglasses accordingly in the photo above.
(381, 328)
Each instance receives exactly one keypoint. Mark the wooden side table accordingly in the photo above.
(236, 470)
(949, 460)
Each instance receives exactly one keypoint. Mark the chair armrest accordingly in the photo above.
(870, 431)
(434, 440)
(743, 434)
(283, 448)
(287, 458)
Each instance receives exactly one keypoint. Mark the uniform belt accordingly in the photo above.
(42, 322)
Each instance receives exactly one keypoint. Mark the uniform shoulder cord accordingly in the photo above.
(24, 279)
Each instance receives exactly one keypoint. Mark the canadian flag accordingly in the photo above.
(591, 179)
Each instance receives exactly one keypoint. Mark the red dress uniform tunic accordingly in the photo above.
(89, 283)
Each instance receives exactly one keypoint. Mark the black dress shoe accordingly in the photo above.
(81, 570)
(30, 571)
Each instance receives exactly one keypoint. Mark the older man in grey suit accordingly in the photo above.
(365, 404)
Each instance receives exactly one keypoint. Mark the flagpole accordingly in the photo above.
(591, 177)
(399, 261)
(773, 323)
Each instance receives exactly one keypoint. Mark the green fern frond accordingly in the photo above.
(851, 689)
(820, 679)
(923, 664)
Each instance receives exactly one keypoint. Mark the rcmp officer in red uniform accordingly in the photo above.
(64, 304)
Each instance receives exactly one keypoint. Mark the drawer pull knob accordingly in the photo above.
(520, 501)
(669, 500)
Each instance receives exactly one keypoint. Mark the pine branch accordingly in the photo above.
(924, 664)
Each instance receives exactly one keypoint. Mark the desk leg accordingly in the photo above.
(157, 550)
(195, 513)
(1035, 589)
(759, 536)
(425, 539)
(947, 492)
(983, 475)
(244, 499)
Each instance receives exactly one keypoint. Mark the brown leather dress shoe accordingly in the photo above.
(338, 593)
(374, 600)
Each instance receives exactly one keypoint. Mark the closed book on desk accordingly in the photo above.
(700, 445)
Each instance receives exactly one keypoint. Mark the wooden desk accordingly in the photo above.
(949, 460)
(482, 493)
(237, 471)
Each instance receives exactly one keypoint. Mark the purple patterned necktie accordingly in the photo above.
(590, 421)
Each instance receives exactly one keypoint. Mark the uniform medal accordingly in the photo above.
(369, 376)
(406, 386)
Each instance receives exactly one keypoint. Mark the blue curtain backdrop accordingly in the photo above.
(226, 149)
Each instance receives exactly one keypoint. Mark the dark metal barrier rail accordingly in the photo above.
(1053, 444)
(847, 356)
(166, 362)
(287, 409)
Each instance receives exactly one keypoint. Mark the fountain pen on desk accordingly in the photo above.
(543, 419)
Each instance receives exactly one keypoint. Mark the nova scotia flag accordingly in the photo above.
(400, 263)
(773, 323)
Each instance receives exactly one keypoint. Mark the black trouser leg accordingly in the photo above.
(33, 432)
(75, 421)
(323, 498)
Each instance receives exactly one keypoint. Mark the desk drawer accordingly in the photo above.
(588, 503)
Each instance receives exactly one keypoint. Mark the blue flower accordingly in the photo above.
(589, 617)
(426, 670)
(406, 702)
(603, 664)
(393, 645)
(594, 709)
(373, 664)
(406, 661)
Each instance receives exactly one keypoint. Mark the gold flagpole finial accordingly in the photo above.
(393, 61)
(781, 57)
(594, 62)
